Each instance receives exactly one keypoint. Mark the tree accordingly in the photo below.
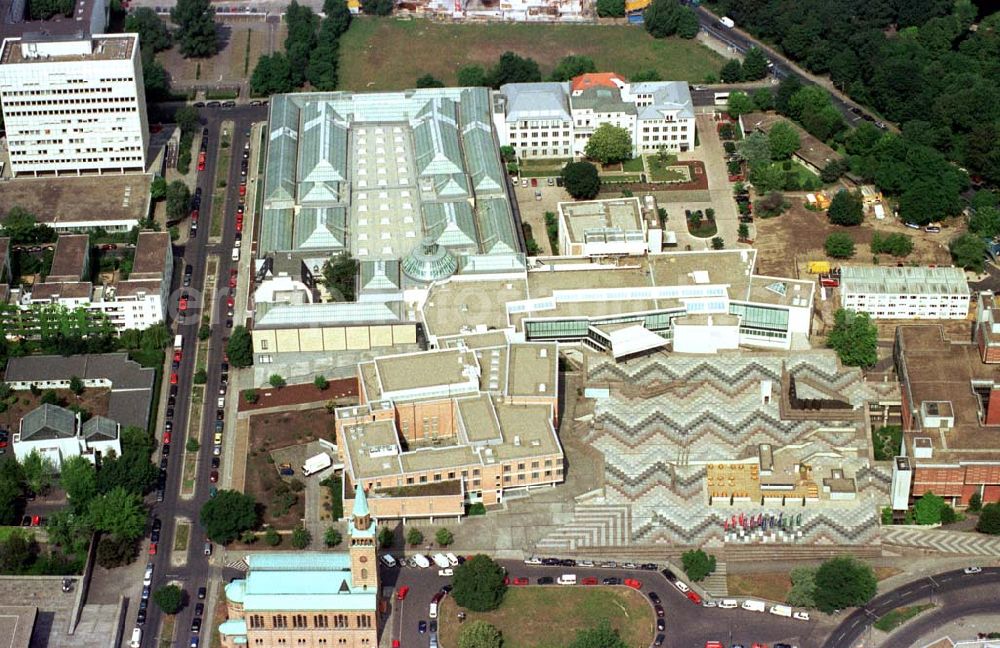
(169, 598)
(339, 276)
(113, 551)
(646, 75)
(755, 149)
(773, 204)
(271, 75)
(69, 531)
(250, 395)
(119, 513)
(444, 537)
(76, 385)
(600, 636)
(687, 23)
(803, 590)
(49, 397)
(985, 221)
(271, 537)
(17, 552)
(763, 99)
(512, 68)
(839, 246)
(22, 227)
(429, 81)
(989, 520)
(385, 537)
(855, 338)
(79, 479)
(153, 33)
(38, 472)
(414, 536)
(200, 377)
(731, 72)
(968, 251)
(975, 502)
(927, 199)
(833, 169)
(948, 514)
(338, 16)
(609, 144)
(332, 537)
(192, 445)
(581, 180)
(480, 634)
(927, 509)
(846, 208)
(227, 515)
(783, 140)
(843, 582)
(662, 18)
(320, 382)
(195, 20)
(11, 492)
(610, 8)
(301, 538)
(718, 243)
(697, 564)
(377, 7)
(478, 584)
(754, 65)
(572, 66)
(240, 348)
(471, 76)
(743, 232)
(276, 381)
(187, 120)
(898, 245)
(178, 200)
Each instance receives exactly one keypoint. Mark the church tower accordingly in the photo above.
(361, 530)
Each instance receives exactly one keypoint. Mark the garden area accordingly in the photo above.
(701, 223)
(886, 442)
(663, 167)
(525, 618)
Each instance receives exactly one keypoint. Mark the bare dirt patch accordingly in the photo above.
(772, 586)
(343, 389)
(94, 400)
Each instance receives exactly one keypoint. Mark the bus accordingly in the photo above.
(721, 98)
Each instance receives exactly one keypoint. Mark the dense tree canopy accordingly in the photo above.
(240, 348)
(472, 76)
(169, 598)
(195, 20)
(119, 513)
(843, 582)
(581, 180)
(754, 64)
(227, 515)
(609, 144)
(697, 564)
(783, 140)
(573, 66)
(846, 208)
(855, 338)
(512, 68)
(479, 584)
(927, 509)
(989, 519)
(968, 251)
(479, 634)
(377, 7)
(610, 8)
(600, 636)
(664, 18)
(839, 245)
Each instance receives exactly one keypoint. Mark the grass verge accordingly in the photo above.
(166, 639)
(526, 616)
(221, 176)
(181, 536)
(772, 586)
(899, 616)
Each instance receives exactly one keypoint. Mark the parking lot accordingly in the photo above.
(534, 202)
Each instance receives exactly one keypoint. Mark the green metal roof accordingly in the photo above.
(484, 165)
(279, 173)
(276, 230)
(323, 228)
(233, 627)
(360, 503)
(450, 224)
(307, 580)
(323, 146)
(236, 590)
(495, 226)
(320, 193)
(435, 138)
(380, 275)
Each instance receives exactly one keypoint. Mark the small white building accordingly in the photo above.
(905, 292)
(74, 105)
(57, 433)
(602, 228)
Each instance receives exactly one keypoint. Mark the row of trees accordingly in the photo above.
(838, 583)
(311, 51)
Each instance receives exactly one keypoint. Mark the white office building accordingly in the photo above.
(74, 105)
(905, 292)
(556, 120)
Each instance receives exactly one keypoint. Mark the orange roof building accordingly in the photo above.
(597, 80)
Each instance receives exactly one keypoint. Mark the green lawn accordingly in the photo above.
(372, 59)
(181, 536)
(886, 442)
(634, 165)
(703, 229)
(899, 616)
(550, 616)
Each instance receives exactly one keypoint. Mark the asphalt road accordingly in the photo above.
(197, 570)
(687, 625)
(955, 592)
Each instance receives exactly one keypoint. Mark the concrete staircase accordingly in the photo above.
(716, 584)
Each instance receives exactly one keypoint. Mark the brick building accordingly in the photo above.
(951, 415)
(309, 599)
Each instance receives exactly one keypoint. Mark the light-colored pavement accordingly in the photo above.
(951, 542)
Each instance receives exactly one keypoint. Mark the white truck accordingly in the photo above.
(727, 22)
(441, 561)
(421, 561)
(178, 342)
(316, 463)
(754, 606)
(781, 610)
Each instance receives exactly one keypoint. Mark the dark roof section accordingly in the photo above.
(69, 261)
(48, 422)
(99, 428)
(151, 251)
(131, 384)
(14, 20)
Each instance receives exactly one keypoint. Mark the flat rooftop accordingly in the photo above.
(48, 50)
(16, 625)
(940, 370)
(150, 255)
(13, 24)
(422, 370)
(533, 370)
(69, 258)
(468, 306)
(66, 200)
(905, 280)
(620, 214)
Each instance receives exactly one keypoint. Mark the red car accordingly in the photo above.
(177, 356)
(694, 598)
(589, 580)
(201, 161)
(402, 592)
(633, 583)
(239, 226)
(173, 378)
(152, 548)
(36, 520)
(194, 215)
(243, 189)
(166, 438)
(757, 644)
(3, 443)
(230, 302)
(520, 580)
(183, 304)
(232, 281)
(214, 476)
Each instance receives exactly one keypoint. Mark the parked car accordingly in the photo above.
(633, 583)
(545, 580)
(682, 586)
(654, 597)
(612, 581)
(972, 570)
(520, 580)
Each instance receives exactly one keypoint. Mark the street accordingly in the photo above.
(687, 624)
(196, 571)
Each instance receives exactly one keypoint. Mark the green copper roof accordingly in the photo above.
(304, 580)
(233, 627)
(495, 226)
(435, 137)
(279, 175)
(450, 224)
(276, 230)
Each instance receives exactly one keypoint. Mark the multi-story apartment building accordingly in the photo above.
(73, 104)
(905, 292)
(309, 599)
(135, 302)
(556, 120)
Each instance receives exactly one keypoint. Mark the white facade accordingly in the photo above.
(74, 106)
(906, 292)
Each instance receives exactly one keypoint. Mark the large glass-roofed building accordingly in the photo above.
(384, 175)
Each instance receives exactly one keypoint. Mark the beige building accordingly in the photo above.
(310, 599)
(440, 429)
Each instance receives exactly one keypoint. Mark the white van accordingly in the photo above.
(433, 612)
(441, 561)
(388, 560)
(421, 561)
(136, 639)
(236, 254)
(781, 610)
(452, 559)
(147, 578)
(728, 604)
(754, 606)
(567, 579)
(222, 401)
